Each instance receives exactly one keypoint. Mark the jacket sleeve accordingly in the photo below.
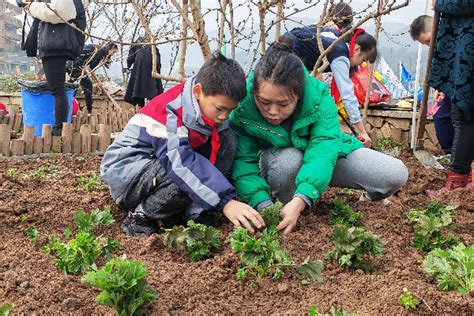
(192, 172)
(46, 12)
(321, 155)
(131, 56)
(340, 68)
(251, 187)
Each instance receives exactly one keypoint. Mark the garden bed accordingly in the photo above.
(48, 200)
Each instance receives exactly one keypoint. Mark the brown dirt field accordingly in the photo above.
(30, 281)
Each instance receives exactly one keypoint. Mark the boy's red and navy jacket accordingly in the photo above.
(169, 128)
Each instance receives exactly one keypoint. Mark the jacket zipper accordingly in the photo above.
(264, 128)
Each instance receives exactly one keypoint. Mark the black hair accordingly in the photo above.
(367, 43)
(110, 45)
(220, 75)
(281, 67)
(341, 14)
(421, 24)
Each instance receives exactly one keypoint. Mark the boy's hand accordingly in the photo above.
(240, 213)
(290, 212)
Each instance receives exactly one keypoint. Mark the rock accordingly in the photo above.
(359, 271)
(404, 124)
(25, 284)
(386, 130)
(375, 121)
(282, 287)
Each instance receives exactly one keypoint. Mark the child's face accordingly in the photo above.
(214, 107)
(359, 56)
(275, 103)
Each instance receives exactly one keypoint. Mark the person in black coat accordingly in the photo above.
(141, 85)
(57, 43)
(91, 56)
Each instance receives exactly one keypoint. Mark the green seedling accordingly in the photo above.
(313, 311)
(347, 191)
(354, 246)
(88, 221)
(5, 309)
(80, 254)
(123, 285)
(197, 240)
(432, 227)
(407, 300)
(12, 173)
(39, 173)
(388, 145)
(68, 232)
(453, 269)
(263, 256)
(23, 218)
(91, 183)
(80, 158)
(32, 234)
(343, 214)
(271, 215)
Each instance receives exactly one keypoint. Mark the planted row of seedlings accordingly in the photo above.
(122, 282)
(447, 260)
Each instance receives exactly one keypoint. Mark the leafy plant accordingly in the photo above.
(313, 311)
(32, 234)
(88, 221)
(123, 285)
(5, 309)
(80, 254)
(271, 215)
(12, 172)
(39, 173)
(347, 191)
(353, 247)
(343, 214)
(197, 240)
(91, 183)
(453, 269)
(407, 300)
(388, 145)
(428, 225)
(262, 256)
(23, 218)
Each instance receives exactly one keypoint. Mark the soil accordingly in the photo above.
(30, 281)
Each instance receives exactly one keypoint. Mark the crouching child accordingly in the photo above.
(173, 158)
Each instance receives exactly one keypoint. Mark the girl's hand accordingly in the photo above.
(240, 213)
(290, 212)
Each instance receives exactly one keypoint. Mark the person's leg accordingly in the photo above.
(55, 72)
(444, 126)
(378, 174)
(279, 167)
(86, 85)
(462, 152)
(152, 196)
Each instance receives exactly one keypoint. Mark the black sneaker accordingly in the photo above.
(139, 226)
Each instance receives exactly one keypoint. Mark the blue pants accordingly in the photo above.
(444, 126)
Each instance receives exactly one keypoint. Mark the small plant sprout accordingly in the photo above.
(354, 246)
(453, 269)
(39, 173)
(389, 146)
(347, 191)
(197, 240)
(80, 254)
(91, 183)
(263, 256)
(432, 227)
(123, 285)
(23, 218)
(407, 300)
(5, 309)
(12, 173)
(343, 214)
(271, 215)
(313, 311)
(32, 234)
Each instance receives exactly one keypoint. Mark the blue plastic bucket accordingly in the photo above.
(38, 108)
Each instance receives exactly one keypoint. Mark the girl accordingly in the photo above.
(290, 144)
(361, 47)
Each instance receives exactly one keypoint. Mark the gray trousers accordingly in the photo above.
(366, 169)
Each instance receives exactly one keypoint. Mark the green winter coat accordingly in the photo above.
(315, 131)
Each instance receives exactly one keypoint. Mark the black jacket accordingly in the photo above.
(141, 84)
(61, 39)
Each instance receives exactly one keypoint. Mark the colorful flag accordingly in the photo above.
(409, 82)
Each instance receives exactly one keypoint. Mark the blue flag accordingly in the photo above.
(409, 82)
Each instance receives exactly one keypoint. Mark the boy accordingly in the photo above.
(173, 156)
